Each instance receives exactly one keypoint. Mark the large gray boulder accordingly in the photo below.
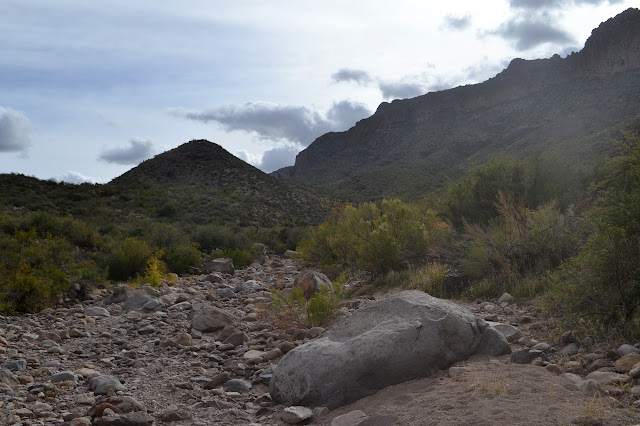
(407, 336)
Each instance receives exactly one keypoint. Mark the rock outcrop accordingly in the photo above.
(407, 336)
(407, 145)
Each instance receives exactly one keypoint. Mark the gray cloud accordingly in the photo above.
(401, 90)
(458, 23)
(15, 131)
(278, 158)
(350, 75)
(527, 34)
(276, 122)
(137, 151)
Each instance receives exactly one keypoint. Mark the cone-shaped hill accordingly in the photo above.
(203, 183)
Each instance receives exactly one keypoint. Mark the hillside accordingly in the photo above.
(206, 183)
(198, 182)
(570, 107)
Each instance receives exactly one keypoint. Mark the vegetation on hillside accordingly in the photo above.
(509, 225)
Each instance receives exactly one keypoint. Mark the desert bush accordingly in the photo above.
(155, 270)
(602, 284)
(179, 259)
(213, 237)
(474, 197)
(295, 309)
(429, 278)
(241, 257)
(128, 259)
(520, 241)
(377, 239)
(33, 270)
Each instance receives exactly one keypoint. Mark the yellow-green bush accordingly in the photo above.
(33, 270)
(375, 238)
(128, 259)
(296, 310)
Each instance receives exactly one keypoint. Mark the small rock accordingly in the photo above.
(222, 265)
(569, 350)
(627, 362)
(525, 356)
(349, 419)
(506, 297)
(511, 333)
(627, 349)
(296, 414)
(237, 385)
(608, 378)
(102, 384)
(147, 329)
(591, 387)
(16, 365)
(553, 368)
(225, 293)
(96, 311)
(63, 376)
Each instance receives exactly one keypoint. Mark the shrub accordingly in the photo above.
(295, 309)
(602, 284)
(377, 239)
(128, 259)
(155, 270)
(429, 278)
(33, 271)
(241, 257)
(520, 241)
(179, 259)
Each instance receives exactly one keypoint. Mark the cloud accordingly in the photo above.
(457, 23)
(350, 75)
(138, 150)
(555, 4)
(15, 131)
(278, 158)
(401, 90)
(274, 122)
(75, 177)
(527, 34)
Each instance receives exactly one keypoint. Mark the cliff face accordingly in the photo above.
(529, 106)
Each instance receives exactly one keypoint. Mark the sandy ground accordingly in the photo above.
(488, 392)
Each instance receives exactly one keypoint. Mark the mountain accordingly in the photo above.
(569, 106)
(196, 183)
(202, 181)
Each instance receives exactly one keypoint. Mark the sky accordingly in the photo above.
(88, 90)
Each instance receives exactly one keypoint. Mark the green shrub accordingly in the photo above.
(377, 239)
(128, 259)
(602, 284)
(296, 310)
(241, 257)
(33, 271)
(520, 241)
(429, 278)
(179, 259)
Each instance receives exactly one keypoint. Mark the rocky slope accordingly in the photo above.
(199, 352)
(569, 105)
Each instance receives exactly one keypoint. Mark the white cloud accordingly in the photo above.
(15, 131)
(75, 177)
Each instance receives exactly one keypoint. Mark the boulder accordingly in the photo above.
(311, 282)
(120, 293)
(627, 362)
(407, 336)
(511, 333)
(222, 265)
(210, 320)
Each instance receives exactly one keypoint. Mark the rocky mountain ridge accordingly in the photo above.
(531, 107)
